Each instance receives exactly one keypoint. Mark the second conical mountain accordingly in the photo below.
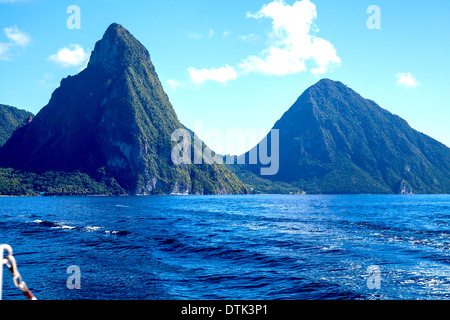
(332, 140)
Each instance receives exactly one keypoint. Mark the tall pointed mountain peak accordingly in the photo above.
(114, 119)
(327, 86)
(118, 50)
(328, 83)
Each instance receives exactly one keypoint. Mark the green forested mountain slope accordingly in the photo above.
(332, 140)
(114, 116)
(10, 119)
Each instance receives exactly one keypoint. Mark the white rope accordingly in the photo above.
(10, 263)
(3, 261)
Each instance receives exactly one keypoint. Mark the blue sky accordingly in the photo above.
(241, 64)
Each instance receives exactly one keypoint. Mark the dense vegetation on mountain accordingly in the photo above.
(108, 130)
(20, 183)
(114, 115)
(10, 119)
(260, 185)
(332, 140)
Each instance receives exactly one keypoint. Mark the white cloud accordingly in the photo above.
(293, 41)
(72, 56)
(174, 83)
(16, 39)
(199, 36)
(4, 48)
(248, 38)
(47, 81)
(293, 46)
(407, 80)
(221, 75)
(16, 36)
(195, 35)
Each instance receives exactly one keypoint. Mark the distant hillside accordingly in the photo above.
(10, 119)
(332, 140)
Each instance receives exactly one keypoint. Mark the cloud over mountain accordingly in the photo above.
(293, 46)
(293, 41)
(72, 56)
(407, 80)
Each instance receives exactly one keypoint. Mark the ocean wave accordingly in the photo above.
(54, 225)
(118, 233)
(64, 226)
(91, 229)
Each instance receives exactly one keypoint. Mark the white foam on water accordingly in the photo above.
(92, 229)
(63, 226)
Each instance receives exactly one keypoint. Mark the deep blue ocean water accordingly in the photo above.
(230, 247)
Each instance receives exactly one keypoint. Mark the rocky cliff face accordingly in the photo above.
(114, 117)
(404, 188)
